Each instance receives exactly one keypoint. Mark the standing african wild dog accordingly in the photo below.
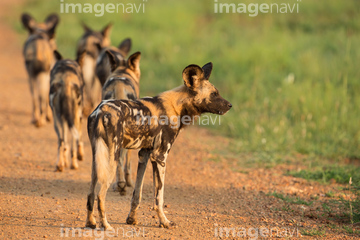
(103, 67)
(92, 42)
(66, 101)
(117, 124)
(39, 59)
(123, 83)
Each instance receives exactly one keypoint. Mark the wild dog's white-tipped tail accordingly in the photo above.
(101, 159)
(74, 132)
(104, 162)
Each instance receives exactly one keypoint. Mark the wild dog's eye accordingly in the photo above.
(214, 94)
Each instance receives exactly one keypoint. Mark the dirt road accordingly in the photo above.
(202, 197)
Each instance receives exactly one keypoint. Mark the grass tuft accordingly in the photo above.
(288, 199)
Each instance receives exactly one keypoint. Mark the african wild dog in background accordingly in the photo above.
(66, 99)
(39, 58)
(103, 67)
(92, 42)
(123, 83)
(117, 124)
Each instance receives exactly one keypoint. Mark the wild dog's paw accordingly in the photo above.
(74, 165)
(123, 192)
(80, 152)
(131, 221)
(90, 225)
(168, 225)
(49, 118)
(39, 123)
(59, 169)
(120, 187)
(107, 227)
(90, 221)
(66, 161)
(129, 182)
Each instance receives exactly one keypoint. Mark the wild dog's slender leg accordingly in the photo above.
(35, 101)
(90, 220)
(60, 133)
(49, 115)
(65, 144)
(76, 135)
(128, 179)
(159, 181)
(74, 148)
(136, 198)
(80, 145)
(105, 171)
(120, 184)
(43, 85)
(101, 205)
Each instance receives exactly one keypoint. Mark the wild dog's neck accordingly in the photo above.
(124, 72)
(179, 102)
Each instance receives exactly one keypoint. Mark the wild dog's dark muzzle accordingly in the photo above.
(226, 108)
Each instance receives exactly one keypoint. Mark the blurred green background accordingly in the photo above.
(293, 79)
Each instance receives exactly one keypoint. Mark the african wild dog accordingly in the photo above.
(92, 42)
(117, 124)
(123, 83)
(103, 67)
(66, 99)
(39, 59)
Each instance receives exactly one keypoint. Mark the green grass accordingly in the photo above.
(291, 200)
(293, 79)
(313, 232)
(341, 174)
(349, 206)
(350, 230)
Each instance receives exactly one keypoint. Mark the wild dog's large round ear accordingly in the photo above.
(125, 46)
(192, 76)
(112, 60)
(134, 62)
(57, 55)
(86, 28)
(28, 22)
(107, 30)
(106, 41)
(52, 20)
(81, 57)
(207, 68)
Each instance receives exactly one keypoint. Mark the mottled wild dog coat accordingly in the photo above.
(115, 124)
(103, 67)
(39, 58)
(66, 101)
(123, 83)
(92, 42)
